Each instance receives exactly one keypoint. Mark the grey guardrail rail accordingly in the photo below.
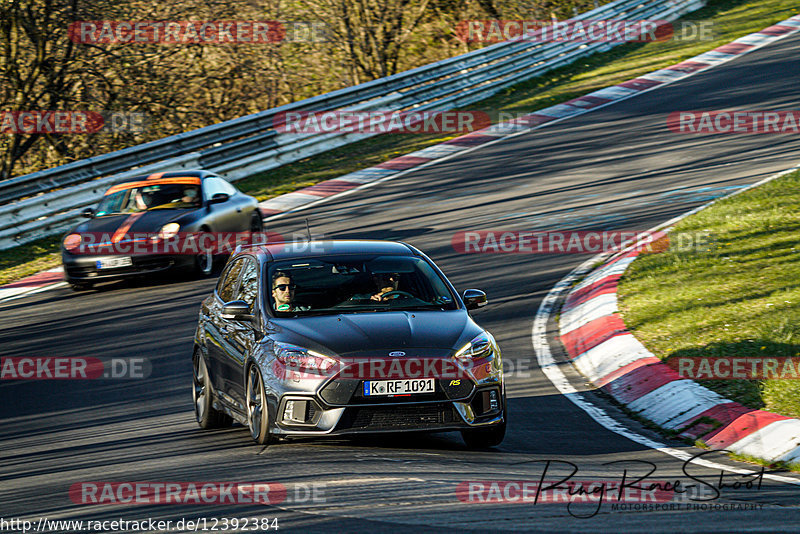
(46, 202)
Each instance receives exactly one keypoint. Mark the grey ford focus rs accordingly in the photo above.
(345, 337)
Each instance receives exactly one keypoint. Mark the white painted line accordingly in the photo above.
(7, 295)
(608, 90)
(551, 369)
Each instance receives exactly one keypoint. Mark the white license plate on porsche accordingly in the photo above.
(114, 263)
(397, 387)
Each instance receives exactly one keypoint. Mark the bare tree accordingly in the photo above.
(371, 34)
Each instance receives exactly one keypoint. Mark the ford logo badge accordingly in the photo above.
(397, 354)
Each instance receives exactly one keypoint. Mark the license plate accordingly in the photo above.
(113, 263)
(397, 387)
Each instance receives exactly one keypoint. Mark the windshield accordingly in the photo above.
(143, 197)
(354, 284)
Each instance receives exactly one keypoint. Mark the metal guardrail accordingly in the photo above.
(241, 147)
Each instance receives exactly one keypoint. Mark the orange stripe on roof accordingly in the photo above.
(185, 180)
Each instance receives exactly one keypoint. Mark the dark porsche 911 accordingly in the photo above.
(161, 205)
(345, 337)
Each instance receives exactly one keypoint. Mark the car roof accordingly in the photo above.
(317, 249)
(202, 174)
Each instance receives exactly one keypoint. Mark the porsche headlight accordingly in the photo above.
(303, 360)
(168, 231)
(481, 346)
(72, 241)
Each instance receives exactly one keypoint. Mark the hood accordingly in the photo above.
(142, 222)
(350, 334)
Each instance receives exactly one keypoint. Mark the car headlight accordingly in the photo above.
(72, 241)
(300, 359)
(481, 346)
(168, 231)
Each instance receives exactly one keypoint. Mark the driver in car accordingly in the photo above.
(283, 293)
(190, 196)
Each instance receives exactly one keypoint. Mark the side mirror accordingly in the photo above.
(474, 299)
(237, 310)
(88, 213)
(219, 198)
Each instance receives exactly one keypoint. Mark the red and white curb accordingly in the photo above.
(324, 191)
(394, 168)
(50, 279)
(603, 350)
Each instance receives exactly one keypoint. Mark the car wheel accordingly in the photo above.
(483, 438)
(80, 286)
(256, 223)
(204, 264)
(206, 415)
(257, 412)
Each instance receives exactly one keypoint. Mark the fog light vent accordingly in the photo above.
(295, 411)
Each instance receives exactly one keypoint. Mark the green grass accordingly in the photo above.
(731, 19)
(741, 297)
(29, 259)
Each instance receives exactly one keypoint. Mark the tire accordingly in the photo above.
(256, 222)
(484, 438)
(257, 409)
(203, 265)
(203, 396)
(204, 262)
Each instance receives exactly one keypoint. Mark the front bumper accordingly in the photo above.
(84, 267)
(313, 416)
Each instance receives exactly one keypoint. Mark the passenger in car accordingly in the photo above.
(384, 283)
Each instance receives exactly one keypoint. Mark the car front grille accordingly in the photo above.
(401, 417)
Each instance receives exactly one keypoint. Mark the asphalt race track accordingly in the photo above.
(618, 167)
